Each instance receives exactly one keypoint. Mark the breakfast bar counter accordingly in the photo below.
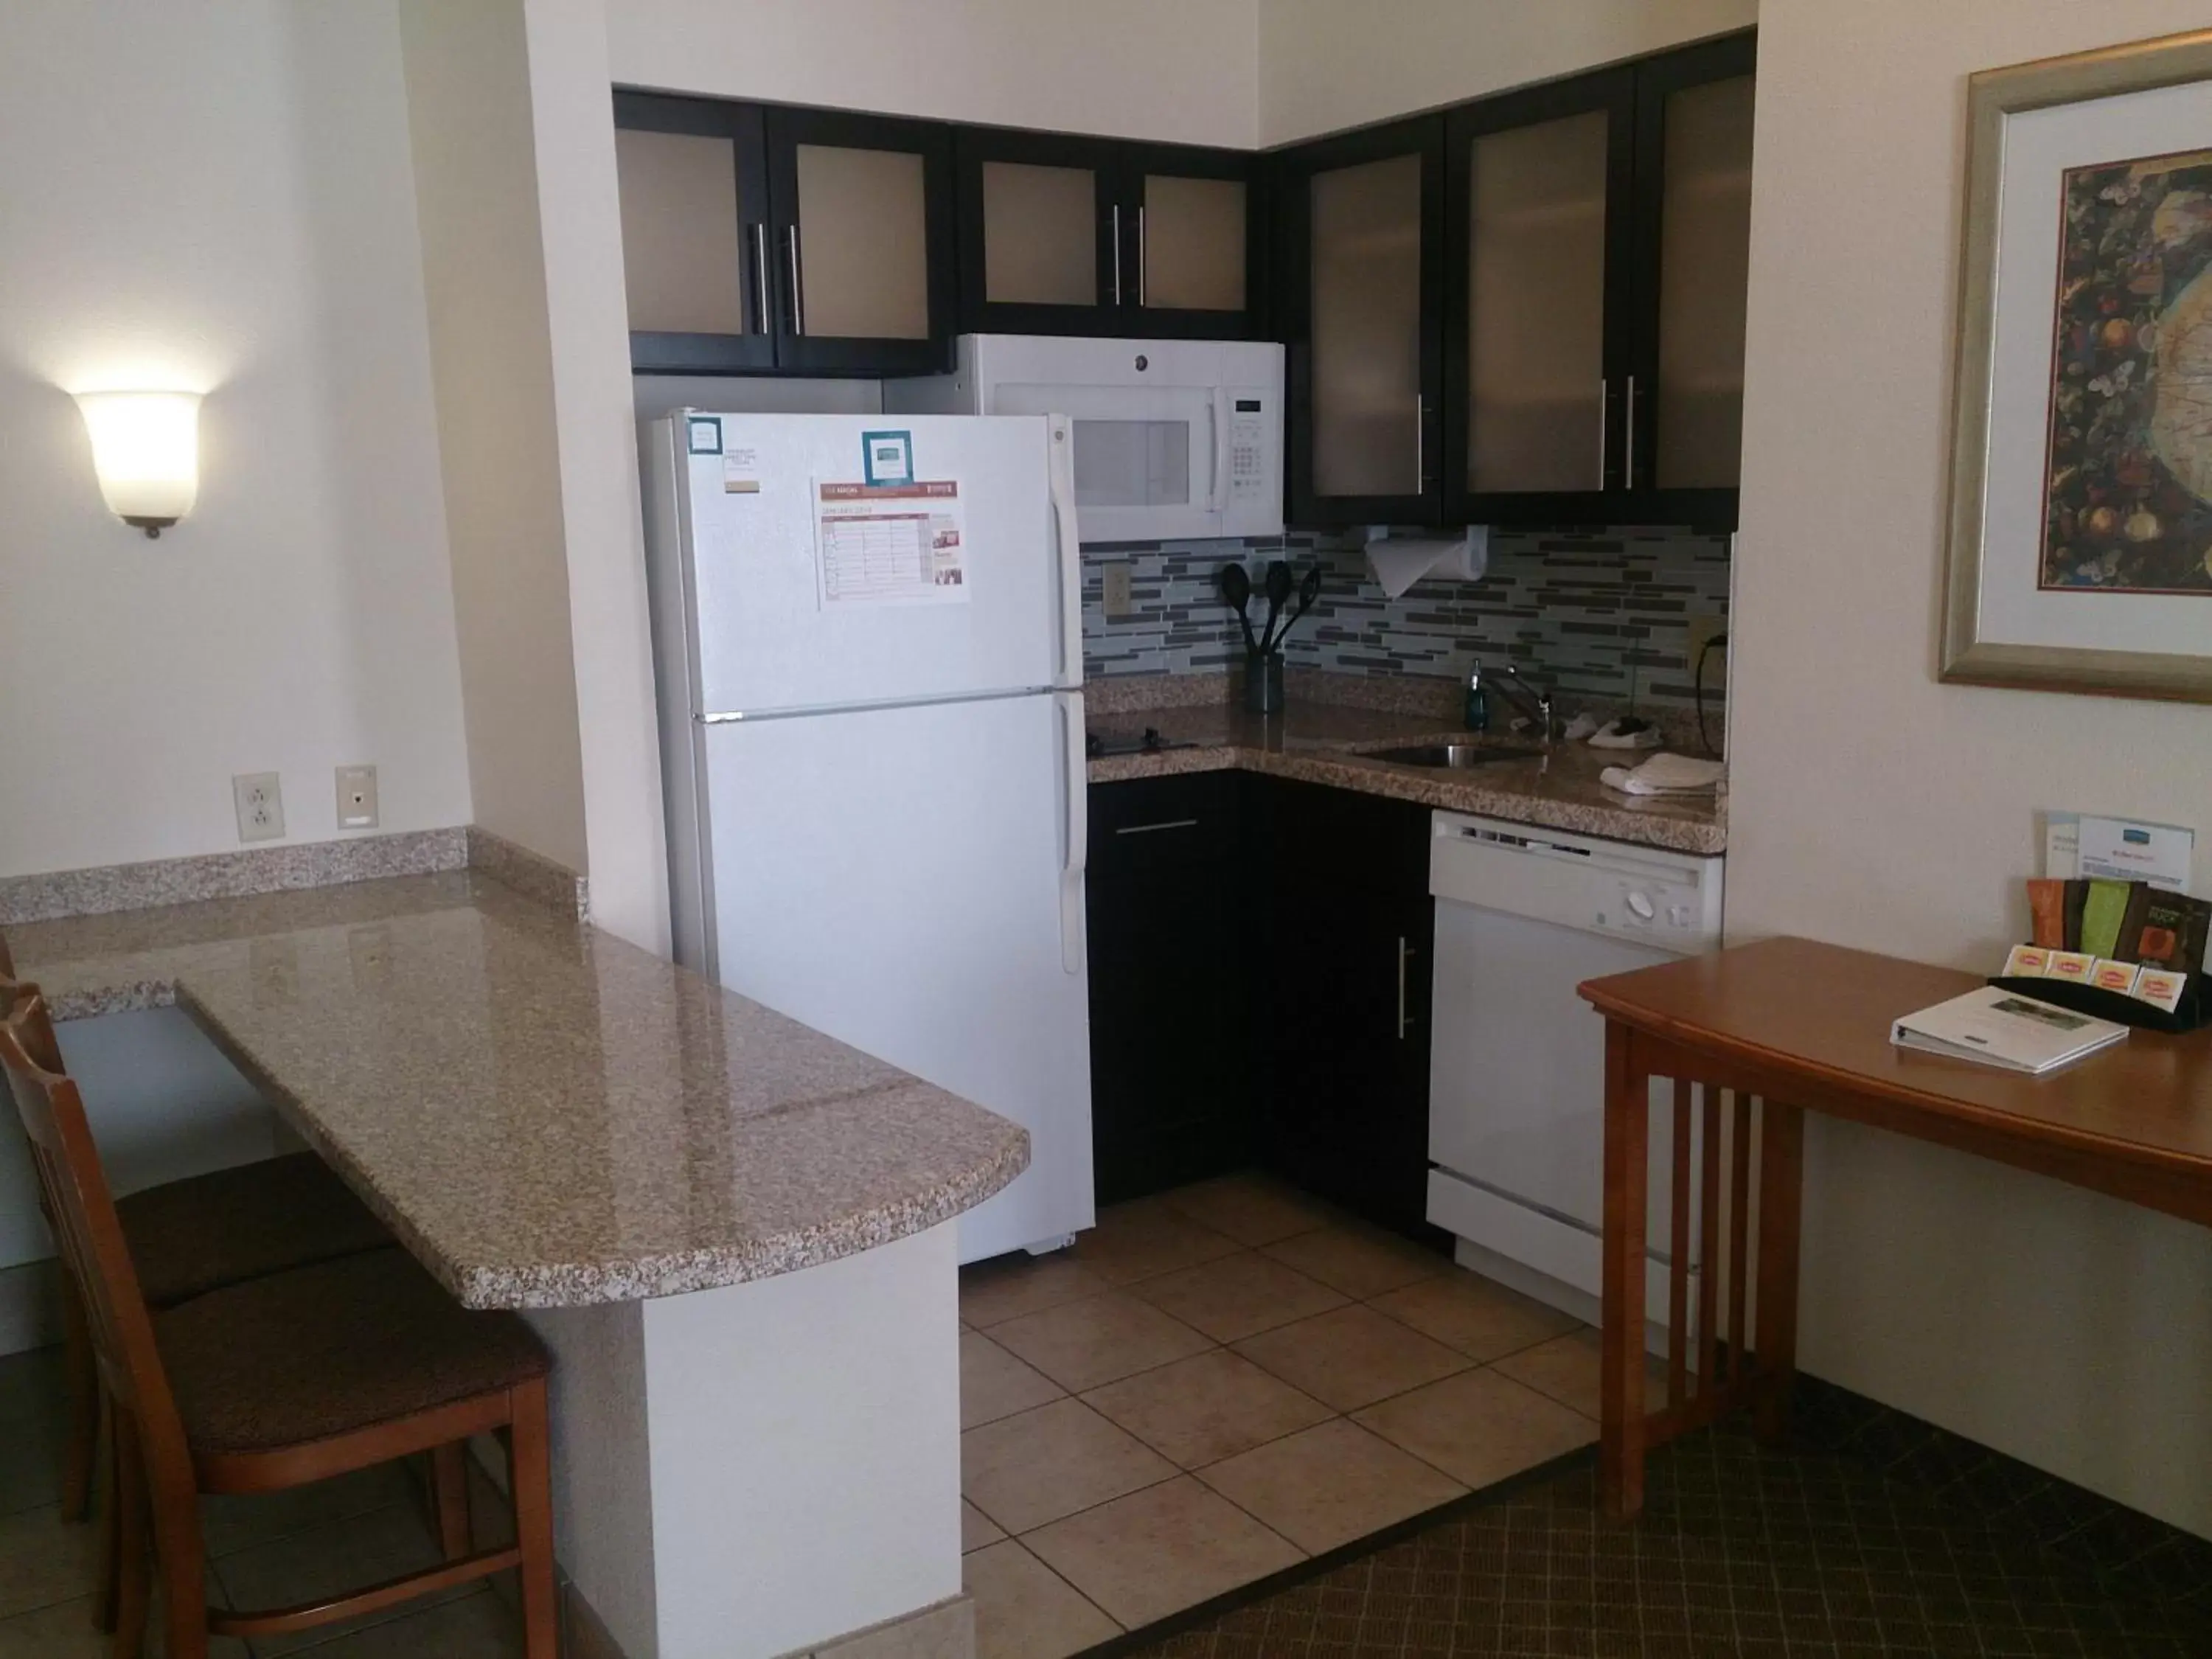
(734, 1232)
(545, 1115)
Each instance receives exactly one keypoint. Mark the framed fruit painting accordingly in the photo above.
(2080, 524)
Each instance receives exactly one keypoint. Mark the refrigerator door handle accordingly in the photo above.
(1060, 470)
(1076, 832)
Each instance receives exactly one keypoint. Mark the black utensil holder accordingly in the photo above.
(1263, 682)
(2194, 1009)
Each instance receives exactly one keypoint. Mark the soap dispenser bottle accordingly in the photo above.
(1478, 701)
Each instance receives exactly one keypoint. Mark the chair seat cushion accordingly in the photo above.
(188, 1237)
(323, 1351)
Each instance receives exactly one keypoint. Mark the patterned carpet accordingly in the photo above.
(1741, 1551)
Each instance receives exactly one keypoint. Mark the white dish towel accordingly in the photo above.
(1664, 774)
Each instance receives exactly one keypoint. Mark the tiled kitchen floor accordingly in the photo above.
(1219, 1382)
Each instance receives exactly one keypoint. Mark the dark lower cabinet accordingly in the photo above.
(1170, 1094)
(1260, 963)
(1341, 1003)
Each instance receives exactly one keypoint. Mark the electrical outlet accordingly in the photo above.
(1118, 602)
(1702, 629)
(259, 798)
(356, 798)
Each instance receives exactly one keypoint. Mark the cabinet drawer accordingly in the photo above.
(1144, 823)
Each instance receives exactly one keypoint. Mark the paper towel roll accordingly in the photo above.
(1398, 563)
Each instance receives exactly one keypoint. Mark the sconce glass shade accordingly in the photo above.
(146, 447)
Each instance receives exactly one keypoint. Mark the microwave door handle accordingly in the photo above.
(1217, 419)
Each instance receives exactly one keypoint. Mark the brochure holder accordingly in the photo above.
(2194, 1009)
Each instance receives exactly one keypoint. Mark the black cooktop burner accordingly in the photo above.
(1151, 742)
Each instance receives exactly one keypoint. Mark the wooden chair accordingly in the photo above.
(279, 1381)
(190, 1236)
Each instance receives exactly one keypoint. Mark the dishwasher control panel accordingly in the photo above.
(1671, 901)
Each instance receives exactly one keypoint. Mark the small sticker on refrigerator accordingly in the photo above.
(741, 472)
(891, 544)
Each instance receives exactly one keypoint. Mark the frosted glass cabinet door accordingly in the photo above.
(682, 249)
(1536, 307)
(1040, 234)
(1191, 244)
(1704, 262)
(859, 245)
(1367, 396)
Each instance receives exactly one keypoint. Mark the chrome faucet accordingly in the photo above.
(1516, 690)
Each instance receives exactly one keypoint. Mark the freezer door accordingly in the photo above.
(947, 576)
(897, 877)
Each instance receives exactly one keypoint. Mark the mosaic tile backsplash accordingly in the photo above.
(1586, 613)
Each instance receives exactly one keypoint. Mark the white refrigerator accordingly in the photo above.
(868, 641)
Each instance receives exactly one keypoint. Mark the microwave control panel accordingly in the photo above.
(1255, 428)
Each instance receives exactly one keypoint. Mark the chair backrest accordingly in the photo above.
(40, 1044)
(87, 1230)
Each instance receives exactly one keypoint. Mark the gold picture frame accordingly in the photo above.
(1976, 648)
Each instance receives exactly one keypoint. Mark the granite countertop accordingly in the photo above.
(1325, 742)
(545, 1115)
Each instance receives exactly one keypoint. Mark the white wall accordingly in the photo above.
(1325, 64)
(1183, 70)
(1873, 806)
(467, 104)
(216, 197)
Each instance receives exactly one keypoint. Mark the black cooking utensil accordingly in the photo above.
(1279, 595)
(1308, 591)
(1237, 592)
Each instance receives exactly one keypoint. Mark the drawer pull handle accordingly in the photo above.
(1147, 829)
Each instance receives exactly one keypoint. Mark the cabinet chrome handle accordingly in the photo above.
(1147, 829)
(760, 277)
(1420, 443)
(1604, 407)
(798, 298)
(1404, 952)
(1631, 479)
(1114, 236)
(1141, 254)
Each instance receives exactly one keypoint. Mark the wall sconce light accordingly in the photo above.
(146, 448)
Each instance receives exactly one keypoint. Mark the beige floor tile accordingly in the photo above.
(1144, 1239)
(237, 1523)
(1080, 1345)
(1566, 1368)
(1350, 1356)
(991, 1292)
(43, 1561)
(329, 1560)
(477, 1626)
(1207, 1407)
(1161, 1550)
(977, 1529)
(1024, 1471)
(1025, 1610)
(64, 1631)
(1360, 1262)
(995, 1384)
(1251, 1208)
(1483, 1320)
(1479, 1427)
(1238, 1295)
(1330, 1485)
(33, 1421)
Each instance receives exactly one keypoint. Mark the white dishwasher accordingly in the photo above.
(1516, 1084)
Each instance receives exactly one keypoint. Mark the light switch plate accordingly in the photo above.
(356, 798)
(259, 798)
(1118, 602)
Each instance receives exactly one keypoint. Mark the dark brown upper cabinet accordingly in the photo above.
(1065, 234)
(757, 239)
(1579, 262)
(1360, 283)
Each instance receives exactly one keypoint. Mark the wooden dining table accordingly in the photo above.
(1747, 1041)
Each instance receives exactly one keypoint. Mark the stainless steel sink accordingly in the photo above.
(1457, 757)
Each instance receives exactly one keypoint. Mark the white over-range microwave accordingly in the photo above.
(1173, 438)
